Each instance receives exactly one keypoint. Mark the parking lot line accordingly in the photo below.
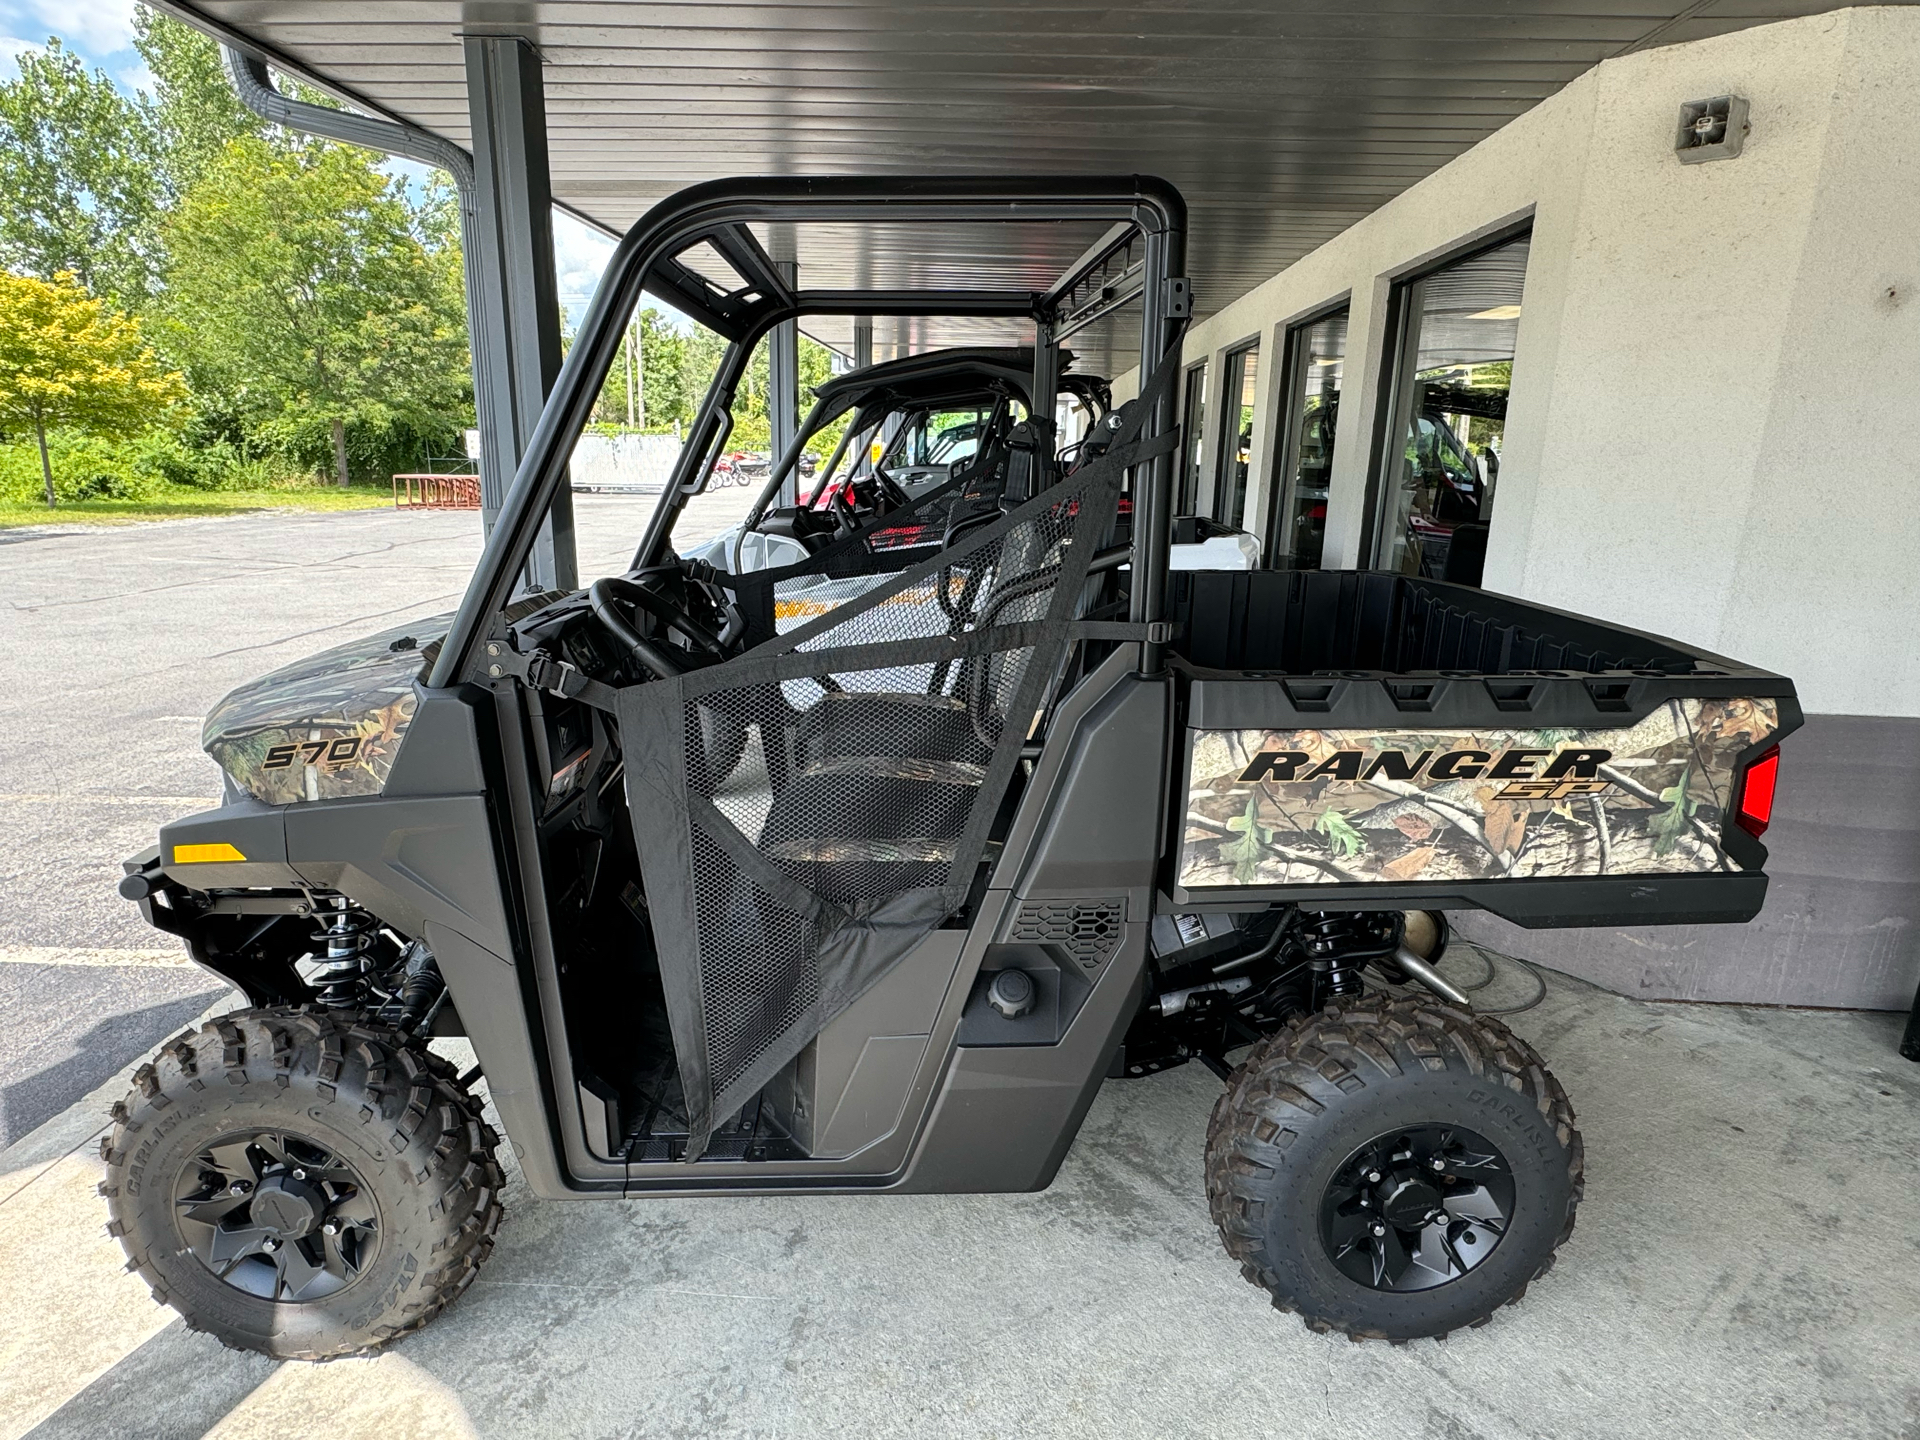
(81, 955)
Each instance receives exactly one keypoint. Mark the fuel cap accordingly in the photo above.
(1011, 993)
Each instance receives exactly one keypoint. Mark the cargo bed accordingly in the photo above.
(1364, 740)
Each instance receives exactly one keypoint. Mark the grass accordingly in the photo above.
(182, 503)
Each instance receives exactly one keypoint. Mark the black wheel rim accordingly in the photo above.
(1417, 1208)
(276, 1216)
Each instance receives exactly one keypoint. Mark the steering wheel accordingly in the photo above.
(640, 591)
(845, 521)
(890, 491)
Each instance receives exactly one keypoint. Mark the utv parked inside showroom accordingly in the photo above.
(850, 866)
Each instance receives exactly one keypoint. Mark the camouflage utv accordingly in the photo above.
(860, 867)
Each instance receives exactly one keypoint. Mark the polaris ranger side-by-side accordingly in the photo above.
(854, 866)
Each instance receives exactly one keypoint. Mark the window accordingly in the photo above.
(927, 445)
(1316, 360)
(1236, 437)
(938, 437)
(1441, 468)
(956, 442)
(1193, 426)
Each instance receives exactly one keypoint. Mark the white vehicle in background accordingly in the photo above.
(954, 428)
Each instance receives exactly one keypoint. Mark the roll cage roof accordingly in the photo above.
(1141, 256)
(944, 377)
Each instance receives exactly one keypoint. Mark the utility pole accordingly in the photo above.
(629, 375)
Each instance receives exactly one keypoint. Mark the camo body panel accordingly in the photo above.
(1667, 786)
(357, 698)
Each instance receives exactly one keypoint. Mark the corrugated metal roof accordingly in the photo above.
(1283, 122)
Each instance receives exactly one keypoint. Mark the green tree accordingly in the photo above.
(677, 364)
(79, 180)
(301, 284)
(67, 359)
(193, 110)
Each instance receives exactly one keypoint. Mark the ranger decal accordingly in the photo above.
(1309, 807)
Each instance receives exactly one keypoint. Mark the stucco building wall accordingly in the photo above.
(1713, 434)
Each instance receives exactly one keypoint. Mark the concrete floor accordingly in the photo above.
(1744, 1265)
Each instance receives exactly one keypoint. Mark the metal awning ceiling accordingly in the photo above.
(1283, 122)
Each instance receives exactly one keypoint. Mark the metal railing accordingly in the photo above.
(436, 492)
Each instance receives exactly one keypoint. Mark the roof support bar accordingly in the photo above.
(738, 247)
(1091, 259)
(1117, 292)
(1151, 205)
(783, 371)
(519, 322)
(1160, 331)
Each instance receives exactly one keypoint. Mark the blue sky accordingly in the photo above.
(101, 33)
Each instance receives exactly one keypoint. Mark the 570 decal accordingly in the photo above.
(327, 754)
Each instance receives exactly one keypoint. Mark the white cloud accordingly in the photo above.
(93, 27)
(11, 47)
(580, 256)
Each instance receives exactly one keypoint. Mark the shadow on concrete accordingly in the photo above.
(177, 1386)
(105, 1049)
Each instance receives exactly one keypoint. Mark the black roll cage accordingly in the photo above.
(719, 212)
(840, 397)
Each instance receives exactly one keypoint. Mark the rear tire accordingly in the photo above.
(1439, 1132)
(301, 1182)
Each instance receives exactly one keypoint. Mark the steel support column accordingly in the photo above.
(783, 384)
(862, 342)
(517, 318)
(1046, 382)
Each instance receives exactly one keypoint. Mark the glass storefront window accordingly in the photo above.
(1236, 440)
(1316, 360)
(1450, 415)
(1193, 427)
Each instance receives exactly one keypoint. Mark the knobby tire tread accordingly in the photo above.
(1268, 1095)
(399, 1094)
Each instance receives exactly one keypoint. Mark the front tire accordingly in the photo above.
(302, 1183)
(1394, 1168)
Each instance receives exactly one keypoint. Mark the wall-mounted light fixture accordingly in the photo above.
(1711, 129)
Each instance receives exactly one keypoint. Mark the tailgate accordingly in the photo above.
(1550, 798)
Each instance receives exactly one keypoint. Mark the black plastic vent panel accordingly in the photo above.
(1088, 930)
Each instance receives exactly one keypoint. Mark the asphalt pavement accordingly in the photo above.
(120, 640)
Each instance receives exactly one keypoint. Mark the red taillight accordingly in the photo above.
(1756, 795)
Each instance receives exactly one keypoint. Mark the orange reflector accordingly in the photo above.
(1756, 795)
(202, 854)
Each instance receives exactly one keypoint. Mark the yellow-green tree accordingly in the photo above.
(67, 359)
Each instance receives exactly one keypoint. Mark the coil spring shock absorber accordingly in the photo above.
(341, 980)
(1331, 940)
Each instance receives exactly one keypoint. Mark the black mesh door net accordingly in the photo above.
(808, 811)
